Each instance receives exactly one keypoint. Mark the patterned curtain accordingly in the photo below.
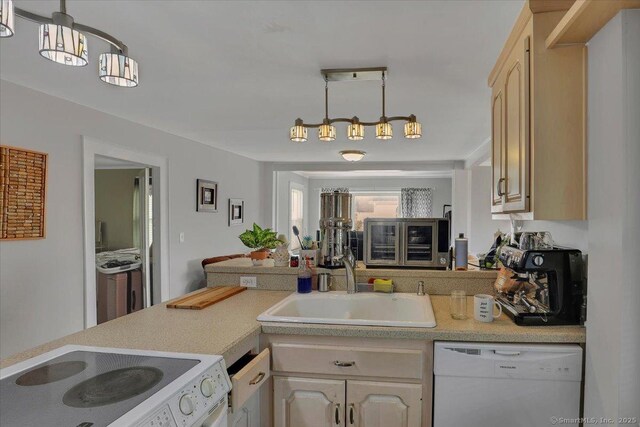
(416, 202)
(333, 189)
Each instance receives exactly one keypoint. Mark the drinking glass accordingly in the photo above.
(458, 304)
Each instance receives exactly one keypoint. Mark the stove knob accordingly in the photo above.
(538, 260)
(207, 387)
(186, 404)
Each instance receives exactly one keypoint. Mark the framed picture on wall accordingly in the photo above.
(236, 212)
(207, 196)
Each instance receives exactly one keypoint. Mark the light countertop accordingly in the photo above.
(501, 329)
(222, 328)
(230, 327)
(245, 265)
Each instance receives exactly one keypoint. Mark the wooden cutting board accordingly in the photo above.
(205, 297)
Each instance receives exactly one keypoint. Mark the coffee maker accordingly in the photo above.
(549, 287)
(335, 224)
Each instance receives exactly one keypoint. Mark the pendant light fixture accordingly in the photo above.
(63, 41)
(326, 131)
(59, 42)
(355, 128)
(7, 18)
(352, 155)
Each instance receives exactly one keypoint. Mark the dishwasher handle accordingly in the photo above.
(507, 353)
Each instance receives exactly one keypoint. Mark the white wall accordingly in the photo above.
(441, 190)
(41, 281)
(612, 377)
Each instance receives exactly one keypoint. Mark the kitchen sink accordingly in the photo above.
(340, 308)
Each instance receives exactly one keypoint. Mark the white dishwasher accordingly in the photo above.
(506, 385)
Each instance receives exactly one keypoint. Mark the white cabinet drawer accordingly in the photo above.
(248, 379)
(360, 361)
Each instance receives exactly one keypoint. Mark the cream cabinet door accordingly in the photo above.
(306, 402)
(497, 146)
(379, 404)
(516, 125)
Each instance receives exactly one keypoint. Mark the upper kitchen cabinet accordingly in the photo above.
(538, 110)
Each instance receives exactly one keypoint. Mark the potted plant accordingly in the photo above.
(261, 240)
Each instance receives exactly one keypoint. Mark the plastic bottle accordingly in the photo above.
(304, 277)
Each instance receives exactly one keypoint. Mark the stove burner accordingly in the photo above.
(113, 386)
(51, 373)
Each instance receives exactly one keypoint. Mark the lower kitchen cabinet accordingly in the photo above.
(307, 402)
(248, 415)
(380, 404)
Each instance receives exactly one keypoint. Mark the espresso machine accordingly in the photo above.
(335, 224)
(547, 286)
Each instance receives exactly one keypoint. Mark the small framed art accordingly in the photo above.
(236, 212)
(207, 198)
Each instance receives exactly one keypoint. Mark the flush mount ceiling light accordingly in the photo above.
(63, 41)
(352, 155)
(355, 130)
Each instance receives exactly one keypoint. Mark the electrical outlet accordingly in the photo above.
(248, 281)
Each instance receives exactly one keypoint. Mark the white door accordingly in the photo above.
(379, 404)
(306, 402)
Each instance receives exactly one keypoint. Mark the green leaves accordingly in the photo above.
(260, 238)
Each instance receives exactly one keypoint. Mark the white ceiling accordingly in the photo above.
(236, 74)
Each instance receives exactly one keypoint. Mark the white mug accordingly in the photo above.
(483, 308)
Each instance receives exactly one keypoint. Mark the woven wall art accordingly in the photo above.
(23, 179)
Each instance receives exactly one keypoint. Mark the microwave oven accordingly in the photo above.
(407, 242)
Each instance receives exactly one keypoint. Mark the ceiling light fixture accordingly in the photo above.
(352, 155)
(7, 17)
(355, 129)
(63, 41)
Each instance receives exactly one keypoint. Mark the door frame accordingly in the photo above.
(90, 148)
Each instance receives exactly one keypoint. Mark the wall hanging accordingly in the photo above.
(23, 179)
(236, 211)
(207, 196)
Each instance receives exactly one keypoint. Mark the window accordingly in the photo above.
(296, 214)
(374, 205)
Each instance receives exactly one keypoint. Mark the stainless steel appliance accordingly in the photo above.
(335, 224)
(547, 289)
(95, 386)
(406, 242)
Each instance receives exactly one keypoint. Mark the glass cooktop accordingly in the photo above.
(84, 388)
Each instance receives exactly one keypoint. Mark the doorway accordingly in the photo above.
(125, 223)
(123, 209)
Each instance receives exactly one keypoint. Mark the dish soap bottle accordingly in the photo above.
(304, 277)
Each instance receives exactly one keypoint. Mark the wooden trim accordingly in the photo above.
(541, 6)
(584, 19)
(518, 28)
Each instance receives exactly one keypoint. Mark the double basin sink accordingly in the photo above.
(363, 309)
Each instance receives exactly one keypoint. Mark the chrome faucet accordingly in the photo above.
(349, 262)
(420, 288)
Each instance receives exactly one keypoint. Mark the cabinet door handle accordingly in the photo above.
(257, 378)
(337, 413)
(344, 364)
(499, 187)
(351, 414)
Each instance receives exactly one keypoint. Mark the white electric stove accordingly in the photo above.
(78, 386)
